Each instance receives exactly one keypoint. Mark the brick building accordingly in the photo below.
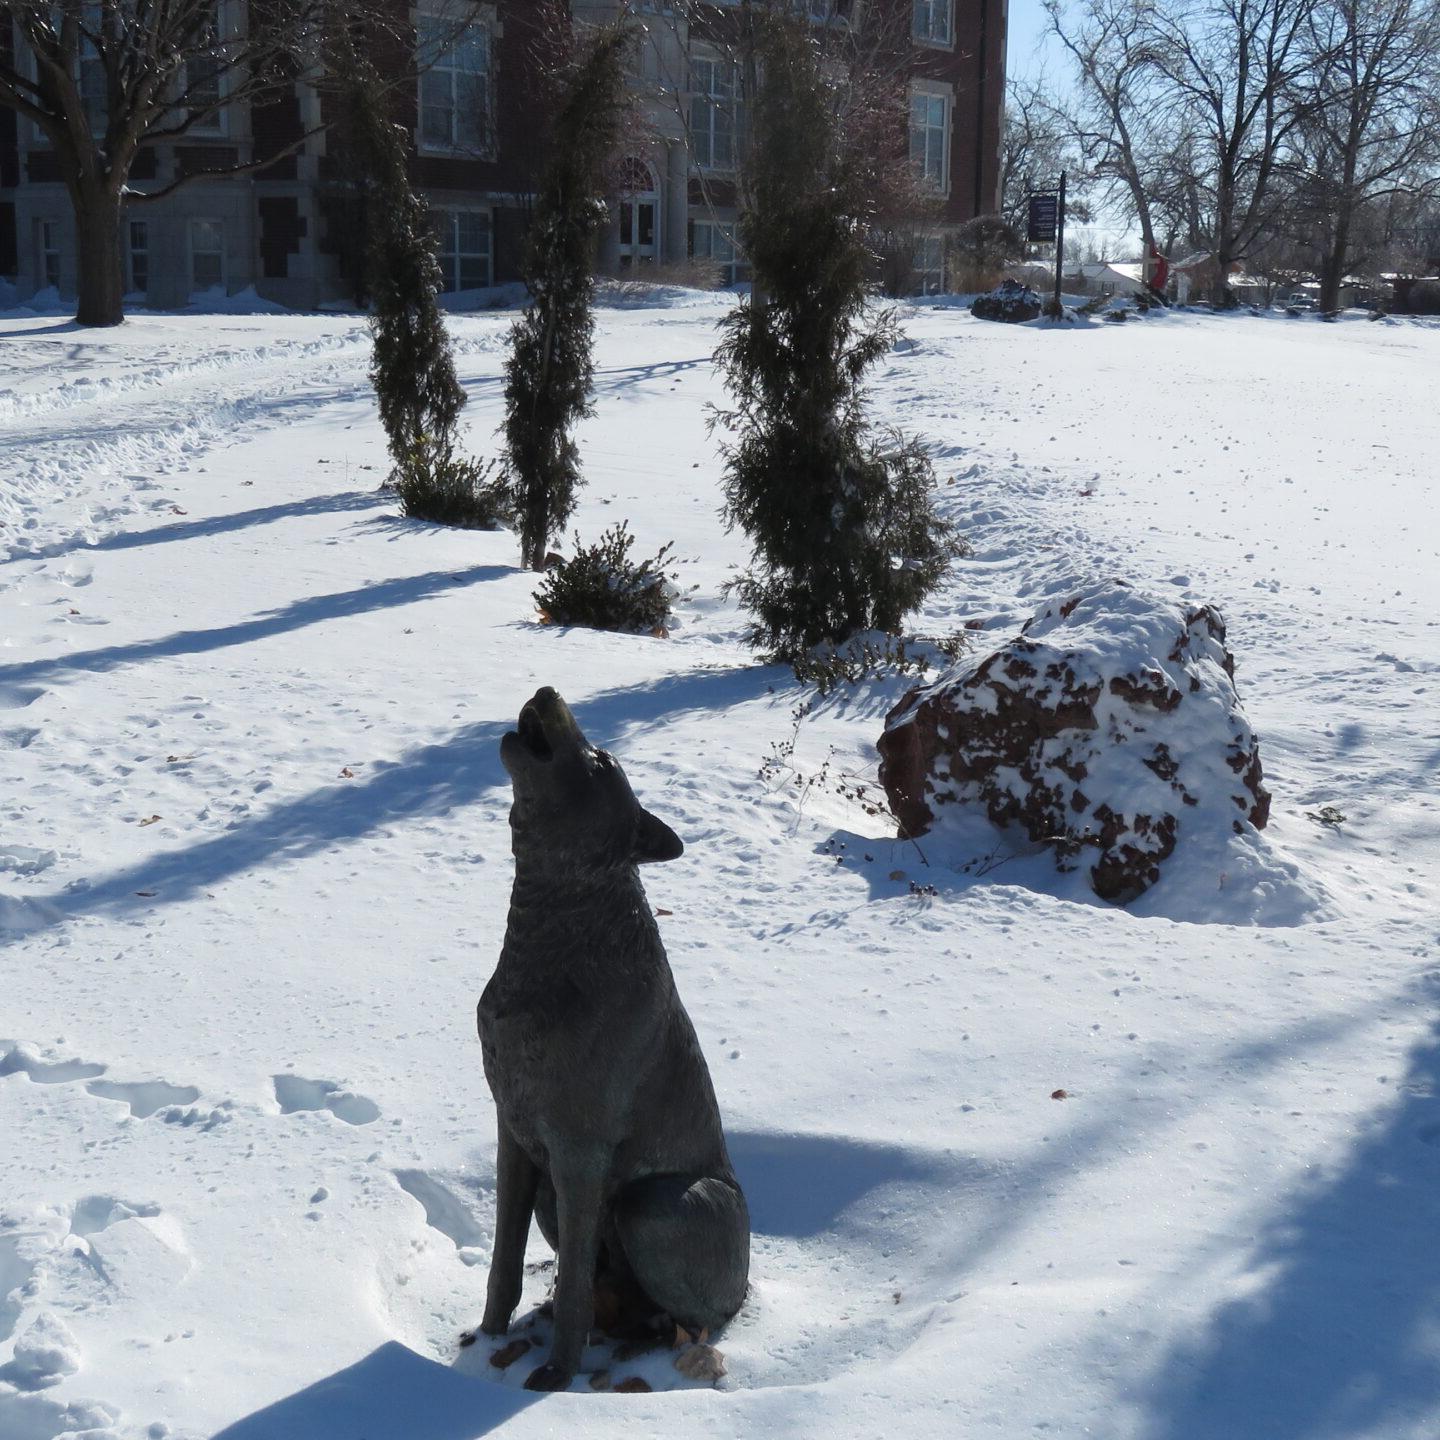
(289, 230)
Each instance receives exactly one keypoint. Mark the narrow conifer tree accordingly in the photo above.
(845, 538)
(413, 366)
(549, 374)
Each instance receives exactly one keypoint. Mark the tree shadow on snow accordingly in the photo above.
(1341, 1339)
(390, 1394)
(622, 377)
(429, 780)
(311, 610)
(29, 332)
(214, 524)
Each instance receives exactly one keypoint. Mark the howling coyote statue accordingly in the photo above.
(609, 1131)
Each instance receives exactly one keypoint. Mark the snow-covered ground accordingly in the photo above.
(254, 870)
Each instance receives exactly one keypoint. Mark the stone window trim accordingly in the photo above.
(200, 255)
(458, 249)
(930, 142)
(932, 24)
(137, 255)
(484, 24)
(49, 251)
(928, 262)
(92, 82)
(219, 122)
(715, 113)
(714, 240)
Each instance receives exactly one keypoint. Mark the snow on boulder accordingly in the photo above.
(1107, 728)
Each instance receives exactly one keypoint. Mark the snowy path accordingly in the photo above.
(250, 1147)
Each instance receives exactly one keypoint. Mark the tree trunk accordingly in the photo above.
(1222, 297)
(1334, 262)
(100, 282)
(1332, 272)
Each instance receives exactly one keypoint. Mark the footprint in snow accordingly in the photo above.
(17, 697)
(22, 1059)
(446, 1212)
(45, 1353)
(145, 1097)
(293, 1092)
(99, 1212)
(25, 859)
(31, 1415)
(16, 1275)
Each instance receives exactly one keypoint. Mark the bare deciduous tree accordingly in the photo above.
(104, 79)
(1231, 68)
(1119, 102)
(1036, 146)
(1371, 123)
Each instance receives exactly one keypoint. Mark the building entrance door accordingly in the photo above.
(639, 216)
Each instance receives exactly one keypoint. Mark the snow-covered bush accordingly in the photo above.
(601, 587)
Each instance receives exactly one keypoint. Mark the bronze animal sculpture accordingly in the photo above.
(609, 1133)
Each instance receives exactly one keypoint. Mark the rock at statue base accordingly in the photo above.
(1009, 301)
(1106, 728)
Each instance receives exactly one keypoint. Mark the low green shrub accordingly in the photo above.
(601, 587)
(437, 484)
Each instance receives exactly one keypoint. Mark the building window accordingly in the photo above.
(50, 254)
(931, 25)
(203, 83)
(715, 113)
(929, 130)
(928, 263)
(203, 95)
(137, 235)
(454, 86)
(94, 88)
(207, 255)
(464, 249)
(712, 241)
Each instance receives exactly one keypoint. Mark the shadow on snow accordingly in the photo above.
(429, 780)
(213, 525)
(312, 610)
(392, 1392)
(1342, 1339)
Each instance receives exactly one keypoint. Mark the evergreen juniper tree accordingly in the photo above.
(413, 366)
(841, 518)
(549, 373)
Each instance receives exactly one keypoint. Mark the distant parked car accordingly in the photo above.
(1300, 300)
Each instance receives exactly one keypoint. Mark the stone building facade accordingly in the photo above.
(288, 230)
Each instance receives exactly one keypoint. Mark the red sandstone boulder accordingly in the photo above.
(1106, 728)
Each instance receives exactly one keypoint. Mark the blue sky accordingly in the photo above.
(1024, 55)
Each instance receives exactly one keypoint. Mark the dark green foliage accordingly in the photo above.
(841, 518)
(548, 375)
(603, 588)
(434, 483)
(413, 366)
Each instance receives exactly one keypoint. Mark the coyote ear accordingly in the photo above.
(655, 840)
